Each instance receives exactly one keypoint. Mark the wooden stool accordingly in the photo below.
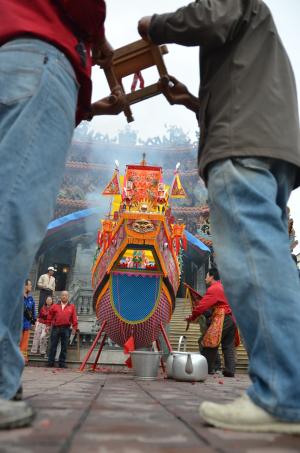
(132, 59)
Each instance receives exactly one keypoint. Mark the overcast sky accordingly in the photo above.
(151, 116)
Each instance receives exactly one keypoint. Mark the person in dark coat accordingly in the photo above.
(29, 319)
(249, 158)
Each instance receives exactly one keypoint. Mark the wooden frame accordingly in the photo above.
(131, 59)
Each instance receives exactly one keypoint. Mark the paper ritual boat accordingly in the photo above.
(136, 273)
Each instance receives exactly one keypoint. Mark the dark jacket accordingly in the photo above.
(248, 101)
(29, 316)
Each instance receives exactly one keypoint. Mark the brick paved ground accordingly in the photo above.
(111, 412)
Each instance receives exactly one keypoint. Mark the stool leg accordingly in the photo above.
(99, 352)
(84, 362)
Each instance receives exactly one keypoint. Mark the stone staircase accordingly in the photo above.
(177, 328)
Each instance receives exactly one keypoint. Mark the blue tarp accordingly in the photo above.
(71, 217)
(196, 242)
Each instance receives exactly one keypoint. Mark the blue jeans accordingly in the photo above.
(38, 96)
(247, 199)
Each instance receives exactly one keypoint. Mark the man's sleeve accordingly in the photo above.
(201, 23)
(100, 19)
(88, 16)
(40, 282)
(207, 301)
(74, 319)
(33, 310)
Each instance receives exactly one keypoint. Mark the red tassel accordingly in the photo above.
(129, 345)
(137, 78)
(128, 362)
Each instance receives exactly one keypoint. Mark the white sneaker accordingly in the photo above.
(15, 414)
(243, 415)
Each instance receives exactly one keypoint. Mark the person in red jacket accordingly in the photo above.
(45, 89)
(222, 328)
(61, 317)
(40, 338)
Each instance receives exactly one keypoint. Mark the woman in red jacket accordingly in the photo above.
(40, 338)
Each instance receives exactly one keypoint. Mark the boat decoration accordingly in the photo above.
(136, 273)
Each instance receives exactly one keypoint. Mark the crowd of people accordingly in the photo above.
(54, 324)
(249, 158)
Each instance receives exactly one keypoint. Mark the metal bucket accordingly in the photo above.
(145, 364)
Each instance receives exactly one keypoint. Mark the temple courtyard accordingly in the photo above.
(108, 411)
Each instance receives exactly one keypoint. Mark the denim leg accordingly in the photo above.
(38, 95)
(54, 339)
(247, 199)
(65, 336)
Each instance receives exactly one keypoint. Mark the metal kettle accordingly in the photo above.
(169, 362)
(187, 366)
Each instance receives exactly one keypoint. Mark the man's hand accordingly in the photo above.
(177, 93)
(111, 105)
(143, 27)
(174, 91)
(103, 54)
(73, 332)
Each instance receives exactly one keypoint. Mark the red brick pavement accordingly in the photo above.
(113, 413)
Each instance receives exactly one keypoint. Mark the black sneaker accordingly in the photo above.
(50, 365)
(228, 373)
(62, 365)
(19, 394)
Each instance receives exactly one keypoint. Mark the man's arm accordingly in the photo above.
(207, 301)
(74, 320)
(41, 284)
(52, 284)
(33, 310)
(201, 23)
(111, 105)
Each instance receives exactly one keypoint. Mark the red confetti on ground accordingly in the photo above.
(45, 423)
(221, 382)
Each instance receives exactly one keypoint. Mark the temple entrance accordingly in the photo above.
(61, 276)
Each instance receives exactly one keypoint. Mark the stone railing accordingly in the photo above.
(83, 301)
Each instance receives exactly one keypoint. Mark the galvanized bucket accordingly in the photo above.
(145, 364)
